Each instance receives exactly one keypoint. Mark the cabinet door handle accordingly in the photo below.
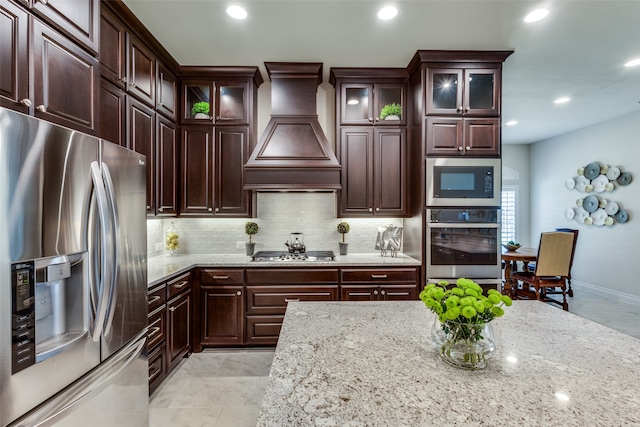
(377, 209)
(371, 119)
(210, 209)
(160, 209)
(26, 102)
(378, 276)
(172, 309)
(217, 117)
(370, 209)
(383, 292)
(132, 84)
(181, 284)
(468, 148)
(221, 277)
(377, 119)
(160, 104)
(375, 292)
(153, 372)
(153, 331)
(291, 300)
(43, 1)
(153, 299)
(466, 109)
(123, 79)
(41, 108)
(460, 148)
(217, 209)
(459, 109)
(239, 293)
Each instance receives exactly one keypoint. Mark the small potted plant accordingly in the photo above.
(391, 111)
(250, 228)
(343, 228)
(200, 110)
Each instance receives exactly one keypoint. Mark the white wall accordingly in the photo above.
(515, 172)
(605, 257)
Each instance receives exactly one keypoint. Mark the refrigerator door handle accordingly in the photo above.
(105, 241)
(82, 391)
(115, 248)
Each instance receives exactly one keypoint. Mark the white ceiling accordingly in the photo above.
(577, 51)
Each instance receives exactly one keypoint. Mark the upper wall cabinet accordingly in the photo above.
(14, 58)
(220, 102)
(77, 19)
(370, 96)
(468, 92)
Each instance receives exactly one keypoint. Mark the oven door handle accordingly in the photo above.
(462, 225)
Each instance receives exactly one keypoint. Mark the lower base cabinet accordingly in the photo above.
(221, 307)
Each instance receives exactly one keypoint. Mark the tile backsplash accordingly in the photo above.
(278, 214)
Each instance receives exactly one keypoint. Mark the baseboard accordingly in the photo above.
(628, 298)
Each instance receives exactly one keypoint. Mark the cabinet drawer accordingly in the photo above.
(222, 277)
(274, 299)
(157, 327)
(156, 297)
(398, 275)
(179, 284)
(156, 368)
(263, 330)
(278, 276)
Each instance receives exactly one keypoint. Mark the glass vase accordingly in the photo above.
(464, 345)
(171, 239)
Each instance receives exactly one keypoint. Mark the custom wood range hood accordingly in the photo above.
(293, 152)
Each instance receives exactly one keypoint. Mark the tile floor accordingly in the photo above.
(224, 388)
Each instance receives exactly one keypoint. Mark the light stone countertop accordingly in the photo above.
(161, 267)
(372, 364)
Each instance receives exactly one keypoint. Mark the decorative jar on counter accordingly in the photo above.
(171, 239)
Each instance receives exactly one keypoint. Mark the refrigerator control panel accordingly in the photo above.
(23, 336)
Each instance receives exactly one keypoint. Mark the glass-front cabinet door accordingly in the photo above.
(367, 104)
(223, 103)
(197, 102)
(231, 103)
(469, 92)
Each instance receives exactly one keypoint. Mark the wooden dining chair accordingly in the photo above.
(553, 264)
(532, 266)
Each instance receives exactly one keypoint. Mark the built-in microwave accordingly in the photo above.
(455, 182)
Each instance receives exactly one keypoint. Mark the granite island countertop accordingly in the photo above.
(372, 364)
(161, 267)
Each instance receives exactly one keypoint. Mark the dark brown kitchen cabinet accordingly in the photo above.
(14, 58)
(448, 136)
(77, 19)
(374, 284)
(463, 91)
(141, 70)
(113, 117)
(157, 334)
(373, 171)
(166, 91)
(269, 290)
(222, 307)
(66, 81)
(113, 48)
(178, 319)
(141, 139)
(363, 104)
(228, 101)
(166, 177)
(212, 179)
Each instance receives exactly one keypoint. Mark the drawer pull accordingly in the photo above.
(154, 372)
(221, 277)
(378, 276)
(153, 331)
(287, 300)
(239, 293)
(181, 284)
(153, 299)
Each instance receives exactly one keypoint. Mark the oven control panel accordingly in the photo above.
(23, 325)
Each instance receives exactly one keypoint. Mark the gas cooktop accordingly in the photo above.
(287, 256)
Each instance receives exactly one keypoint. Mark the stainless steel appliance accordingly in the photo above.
(463, 182)
(73, 310)
(264, 256)
(463, 242)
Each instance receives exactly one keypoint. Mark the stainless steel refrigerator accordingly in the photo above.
(73, 307)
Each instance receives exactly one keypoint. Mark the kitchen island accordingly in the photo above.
(372, 364)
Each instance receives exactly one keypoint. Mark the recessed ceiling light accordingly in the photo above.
(633, 63)
(236, 12)
(387, 12)
(511, 123)
(536, 15)
(562, 100)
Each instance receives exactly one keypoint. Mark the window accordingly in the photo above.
(509, 210)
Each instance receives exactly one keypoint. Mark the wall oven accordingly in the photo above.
(463, 182)
(463, 242)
